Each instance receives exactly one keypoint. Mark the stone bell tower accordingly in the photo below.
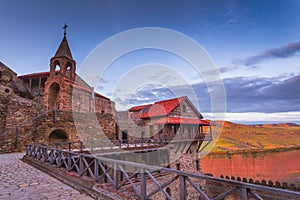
(62, 63)
(58, 87)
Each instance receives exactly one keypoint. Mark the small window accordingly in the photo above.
(151, 130)
(184, 109)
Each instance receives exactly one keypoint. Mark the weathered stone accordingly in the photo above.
(24, 119)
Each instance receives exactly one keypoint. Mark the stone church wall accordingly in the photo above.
(36, 123)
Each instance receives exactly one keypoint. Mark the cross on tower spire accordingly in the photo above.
(65, 29)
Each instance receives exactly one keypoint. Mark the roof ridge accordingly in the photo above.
(141, 107)
(176, 98)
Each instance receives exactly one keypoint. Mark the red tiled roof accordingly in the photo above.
(162, 108)
(138, 108)
(38, 74)
(177, 120)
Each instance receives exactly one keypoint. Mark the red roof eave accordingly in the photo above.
(177, 120)
(38, 74)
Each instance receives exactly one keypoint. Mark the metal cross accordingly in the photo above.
(65, 29)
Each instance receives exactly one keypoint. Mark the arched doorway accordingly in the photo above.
(53, 95)
(58, 135)
(124, 136)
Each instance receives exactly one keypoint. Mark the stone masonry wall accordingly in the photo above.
(124, 123)
(16, 111)
(188, 163)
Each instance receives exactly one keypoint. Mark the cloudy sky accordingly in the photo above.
(254, 44)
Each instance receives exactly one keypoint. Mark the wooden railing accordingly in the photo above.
(113, 144)
(141, 177)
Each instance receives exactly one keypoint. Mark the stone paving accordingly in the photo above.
(19, 180)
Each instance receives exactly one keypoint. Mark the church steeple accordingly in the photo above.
(63, 59)
(64, 49)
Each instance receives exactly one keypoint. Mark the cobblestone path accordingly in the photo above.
(19, 180)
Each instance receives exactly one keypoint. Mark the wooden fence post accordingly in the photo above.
(69, 162)
(143, 184)
(96, 170)
(243, 193)
(182, 185)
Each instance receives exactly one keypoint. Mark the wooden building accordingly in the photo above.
(172, 119)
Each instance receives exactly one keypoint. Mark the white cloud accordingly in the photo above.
(257, 117)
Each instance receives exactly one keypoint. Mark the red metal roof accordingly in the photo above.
(138, 108)
(177, 120)
(162, 108)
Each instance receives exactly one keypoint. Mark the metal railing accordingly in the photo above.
(142, 178)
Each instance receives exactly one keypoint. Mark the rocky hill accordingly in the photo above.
(260, 137)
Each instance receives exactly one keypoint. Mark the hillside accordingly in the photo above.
(261, 137)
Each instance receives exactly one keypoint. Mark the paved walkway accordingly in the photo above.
(19, 180)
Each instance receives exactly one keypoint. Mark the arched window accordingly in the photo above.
(57, 66)
(69, 70)
(53, 95)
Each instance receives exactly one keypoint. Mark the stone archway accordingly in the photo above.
(58, 135)
(53, 95)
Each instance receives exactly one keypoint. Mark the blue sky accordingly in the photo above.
(254, 44)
